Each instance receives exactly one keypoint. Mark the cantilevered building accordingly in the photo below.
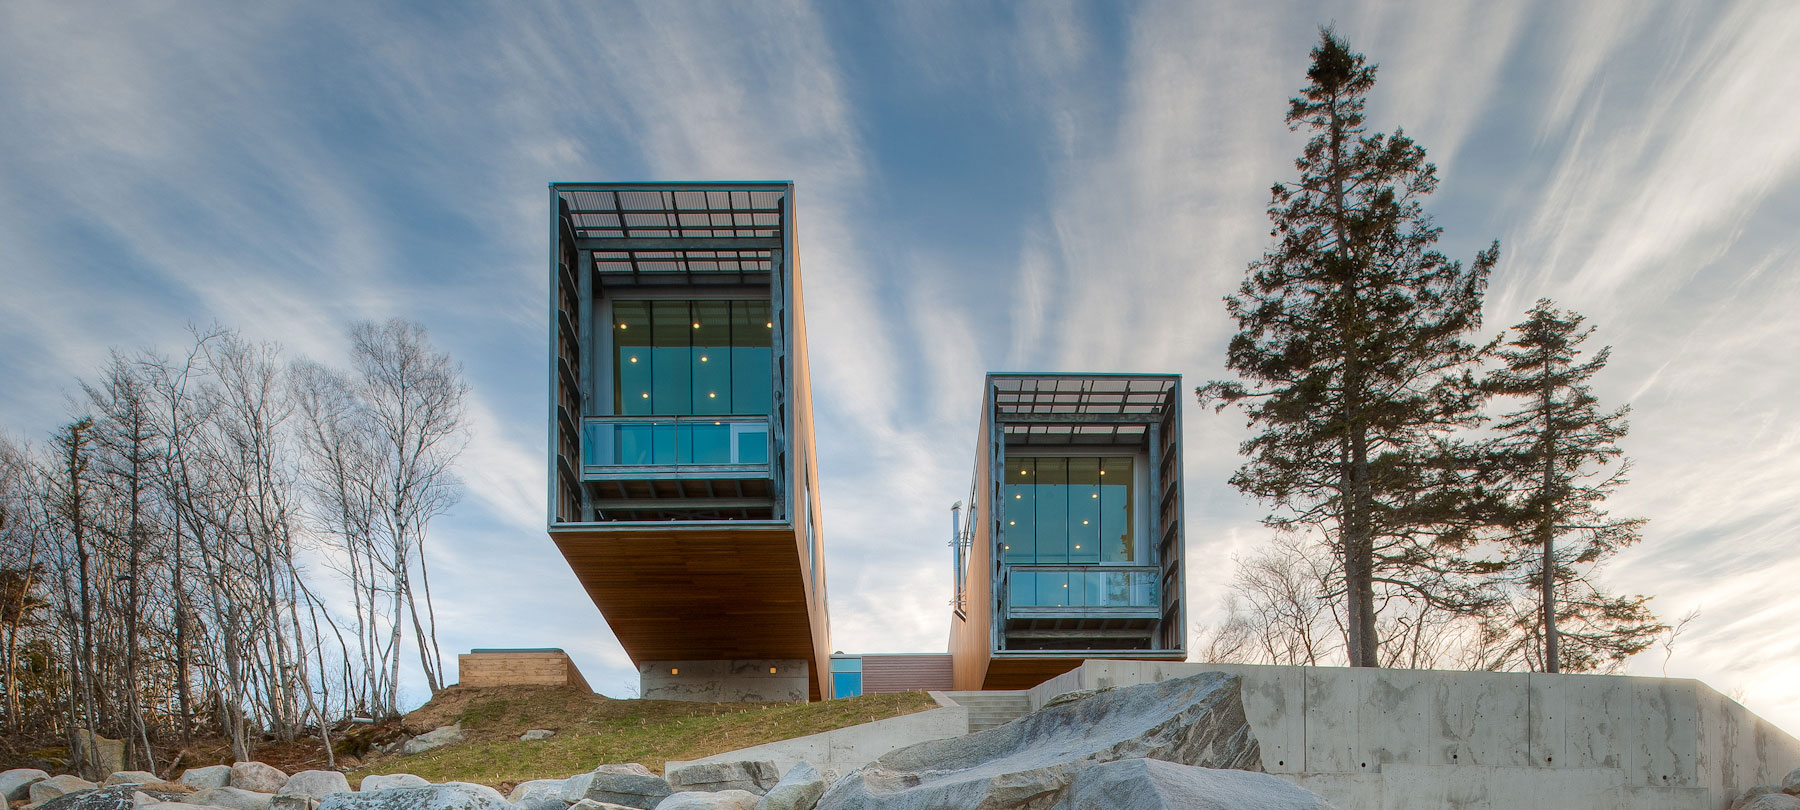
(682, 479)
(1071, 546)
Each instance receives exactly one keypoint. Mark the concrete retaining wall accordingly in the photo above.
(1368, 738)
(751, 681)
(849, 748)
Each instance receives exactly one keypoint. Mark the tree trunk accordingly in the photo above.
(1547, 526)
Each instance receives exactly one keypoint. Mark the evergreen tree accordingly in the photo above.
(1556, 459)
(1353, 362)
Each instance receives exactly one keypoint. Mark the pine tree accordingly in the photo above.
(1352, 358)
(1559, 459)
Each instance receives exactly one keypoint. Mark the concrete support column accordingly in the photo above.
(743, 681)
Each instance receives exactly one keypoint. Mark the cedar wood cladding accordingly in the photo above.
(906, 673)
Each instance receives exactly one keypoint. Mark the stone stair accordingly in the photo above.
(990, 709)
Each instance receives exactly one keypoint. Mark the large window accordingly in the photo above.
(846, 677)
(1069, 511)
(680, 358)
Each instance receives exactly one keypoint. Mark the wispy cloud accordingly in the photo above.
(1055, 186)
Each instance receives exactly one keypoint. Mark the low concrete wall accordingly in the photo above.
(765, 681)
(849, 748)
(1388, 738)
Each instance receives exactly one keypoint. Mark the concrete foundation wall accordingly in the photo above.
(1367, 738)
(760, 681)
(847, 749)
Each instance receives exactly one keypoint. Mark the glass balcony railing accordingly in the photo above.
(1082, 587)
(673, 441)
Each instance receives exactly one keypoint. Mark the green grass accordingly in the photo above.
(594, 730)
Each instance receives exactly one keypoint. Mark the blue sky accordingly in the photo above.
(1040, 186)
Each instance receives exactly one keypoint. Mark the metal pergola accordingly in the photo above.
(1080, 408)
(682, 228)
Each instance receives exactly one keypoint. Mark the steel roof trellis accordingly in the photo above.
(1080, 408)
(646, 228)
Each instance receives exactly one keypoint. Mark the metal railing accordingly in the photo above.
(1082, 586)
(609, 442)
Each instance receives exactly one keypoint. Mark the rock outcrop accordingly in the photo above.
(257, 776)
(16, 783)
(799, 789)
(315, 784)
(751, 776)
(211, 776)
(590, 804)
(536, 734)
(1152, 784)
(435, 738)
(447, 796)
(392, 780)
(130, 778)
(117, 797)
(1772, 801)
(104, 753)
(1198, 720)
(709, 800)
(629, 785)
(231, 798)
(538, 794)
(47, 789)
(1790, 784)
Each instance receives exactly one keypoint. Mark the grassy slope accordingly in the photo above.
(593, 729)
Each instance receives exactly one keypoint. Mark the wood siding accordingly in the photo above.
(971, 633)
(907, 673)
(548, 668)
(698, 592)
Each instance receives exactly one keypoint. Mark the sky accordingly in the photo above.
(1035, 186)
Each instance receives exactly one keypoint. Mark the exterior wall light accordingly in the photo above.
(674, 670)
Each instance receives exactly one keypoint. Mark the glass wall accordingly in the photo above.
(1069, 511)
(1064, 587)
(691, 358)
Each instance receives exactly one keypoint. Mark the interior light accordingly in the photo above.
(696, 324)
(1017, 497)
(1084, 523)
(674, 670)
(1008, 548)
(711, 395)
(1012, 523)
(1024, 472)
(623, 326)
(1102, 472)
(770, 324)
(703, 358)
(1078, 545)
(634, 359)
(1096, 495)
(771, 670)
(646, 395)
(718, 423)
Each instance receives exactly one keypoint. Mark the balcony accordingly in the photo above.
(631, 447)
(1081, 590)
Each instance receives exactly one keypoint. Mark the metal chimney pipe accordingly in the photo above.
(956, 558)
